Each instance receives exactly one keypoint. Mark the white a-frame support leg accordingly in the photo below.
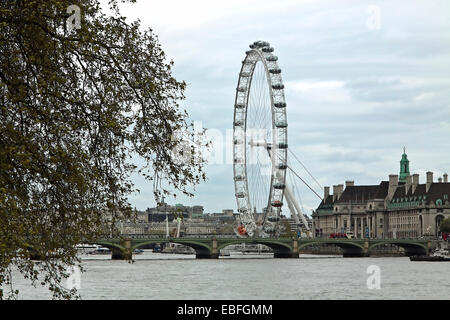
(292, 203)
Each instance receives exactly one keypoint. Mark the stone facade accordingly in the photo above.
(399, 208)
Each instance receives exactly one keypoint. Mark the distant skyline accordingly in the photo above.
(362, 80)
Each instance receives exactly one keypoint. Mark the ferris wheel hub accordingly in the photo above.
(258, 143)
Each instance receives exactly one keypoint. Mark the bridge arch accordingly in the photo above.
(109, 245)
(281, 249)
(201, 249)
(410, 247)
(349, 248)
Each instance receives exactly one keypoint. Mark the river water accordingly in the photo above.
(170, 276)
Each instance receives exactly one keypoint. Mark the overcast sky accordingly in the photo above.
(362, 80)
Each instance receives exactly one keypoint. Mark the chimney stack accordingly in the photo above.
(393, 183)
(349, 183)
(415, 182)
(429, 180)
(408, 183)
(326, 192)
(337, 191)
(445, 177)
(340, 190)
(440, 180)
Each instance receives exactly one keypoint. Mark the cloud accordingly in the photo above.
(355, 95)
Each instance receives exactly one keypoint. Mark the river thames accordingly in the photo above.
(169, 276)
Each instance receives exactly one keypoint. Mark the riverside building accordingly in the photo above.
(399, 208)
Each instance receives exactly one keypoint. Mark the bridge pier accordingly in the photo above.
(293, 253)
(36, 256)
(207, 256)
(366, 248)
(353, 254)
(122, 254)
(429, 247)
(356, 252)
(285, 255)
(204, 254)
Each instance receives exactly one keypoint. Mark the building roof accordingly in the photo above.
(363, 194)
(325, 207)
(437, 191)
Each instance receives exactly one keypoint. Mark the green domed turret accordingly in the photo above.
(404, 167)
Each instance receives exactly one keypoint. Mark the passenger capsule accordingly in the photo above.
(277, 203)
(239, 105)
(260, 44)
(275, 71)
(281, 124)
(267, 49)
(241, 230)
(240, 195)
(279, 185)
(272, 58)
(273, 218)
(278, 86)
(280, 104)
(282, 145)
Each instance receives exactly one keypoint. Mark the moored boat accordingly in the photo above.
(438, 255)
(428, 258)
(101, 250)
(86, 248)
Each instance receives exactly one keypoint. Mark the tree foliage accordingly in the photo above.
(445, 225)
(75, 106)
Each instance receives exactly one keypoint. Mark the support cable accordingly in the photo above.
(304, 167)
(305, 183)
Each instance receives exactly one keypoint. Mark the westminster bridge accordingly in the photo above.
(209, 247)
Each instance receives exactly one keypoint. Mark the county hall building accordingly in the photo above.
(396, 209)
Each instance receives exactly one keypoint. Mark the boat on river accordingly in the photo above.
(438, 255)
(101, 250)
(86, 248)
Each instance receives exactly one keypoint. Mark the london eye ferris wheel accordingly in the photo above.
(260, 141)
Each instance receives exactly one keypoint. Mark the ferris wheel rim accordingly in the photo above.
(260, 52)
